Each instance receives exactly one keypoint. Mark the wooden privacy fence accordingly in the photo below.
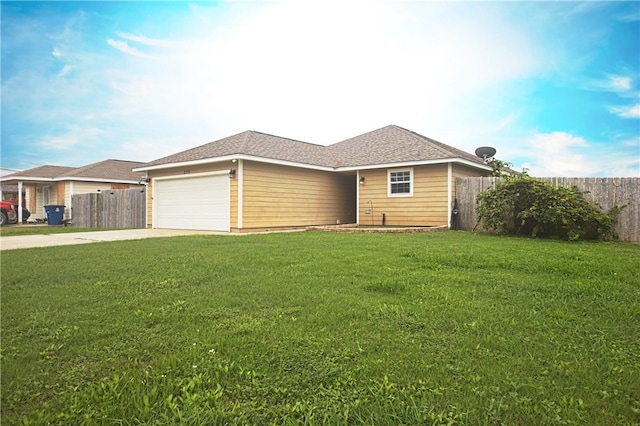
(118, 208)
(608, 192)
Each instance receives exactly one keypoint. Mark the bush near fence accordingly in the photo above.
(115, 209)
(607, 192)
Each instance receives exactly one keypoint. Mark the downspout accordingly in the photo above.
(240, 192)
(358, 197)
(449, 192)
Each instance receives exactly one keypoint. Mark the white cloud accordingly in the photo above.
(314, 72)
(557, 154)
(566, 155)
(146, 40)
(305, 70)
(322, 74)
(557, 141)
(624, 87)
(630, 16)
(65, 70)
(73, 137)
(629, 111)
(619, 83)
(124, 47)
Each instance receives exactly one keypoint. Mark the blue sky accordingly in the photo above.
(553, 86)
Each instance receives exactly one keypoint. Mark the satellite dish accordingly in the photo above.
(485, 152)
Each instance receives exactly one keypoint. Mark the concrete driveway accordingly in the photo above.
(29, 241)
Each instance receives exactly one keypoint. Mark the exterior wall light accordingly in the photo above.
(232, 173)
(362, 180)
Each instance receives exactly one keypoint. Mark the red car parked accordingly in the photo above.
(9, 213)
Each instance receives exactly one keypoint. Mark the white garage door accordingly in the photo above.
(200, 202)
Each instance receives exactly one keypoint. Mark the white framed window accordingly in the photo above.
(400, 182)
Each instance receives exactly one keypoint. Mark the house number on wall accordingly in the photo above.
(186, 172)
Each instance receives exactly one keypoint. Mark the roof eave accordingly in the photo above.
(66, 178)
(26, 179)
(309, 166)
(224, 158)
(96, 179)
(417, 163)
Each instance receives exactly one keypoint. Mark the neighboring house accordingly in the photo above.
(6, 171)
(47, 185)
(10, 192)
(254, 181)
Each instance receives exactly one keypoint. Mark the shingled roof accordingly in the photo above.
(46, 171)
(388, 145)
(254, 144)
(394, 144)
(107, 170)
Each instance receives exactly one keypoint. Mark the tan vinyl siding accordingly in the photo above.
(281, 196)
(464, 171)
(89, 187)
(233, 200)
(427, 206)
(278, 196)
(205, 168)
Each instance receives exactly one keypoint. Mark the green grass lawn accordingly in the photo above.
(322, 328)
(10, 231)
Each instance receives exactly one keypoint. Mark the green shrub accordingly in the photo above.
(523, 205)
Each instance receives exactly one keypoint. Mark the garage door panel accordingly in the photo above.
(192, 203)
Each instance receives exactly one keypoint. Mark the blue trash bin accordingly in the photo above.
(55, 214)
